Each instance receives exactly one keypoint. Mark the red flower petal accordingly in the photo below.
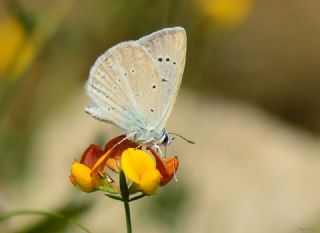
(171, 167)
(125, 144)
(114, 153)
(166, 167)
(91, 155)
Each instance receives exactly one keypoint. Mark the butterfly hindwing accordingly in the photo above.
(124, 84)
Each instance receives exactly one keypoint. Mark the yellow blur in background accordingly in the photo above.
(17, 48)
(226, 12)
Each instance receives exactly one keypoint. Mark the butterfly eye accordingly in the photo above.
(154, 86)
(165, 140)
(167, 59)
(160, 59)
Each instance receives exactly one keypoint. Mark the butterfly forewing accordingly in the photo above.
(168, 50)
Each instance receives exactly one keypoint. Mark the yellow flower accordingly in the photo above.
(140, 168)
(81, 177)
(227, 12)
(85, 174)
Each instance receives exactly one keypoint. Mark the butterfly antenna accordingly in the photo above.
(180, 136)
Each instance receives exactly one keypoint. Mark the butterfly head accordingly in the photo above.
(162, 138)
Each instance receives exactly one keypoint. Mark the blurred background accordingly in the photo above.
(250, 99)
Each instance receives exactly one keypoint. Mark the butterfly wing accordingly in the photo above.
(167, 48)
(134, 84)
(124, 86)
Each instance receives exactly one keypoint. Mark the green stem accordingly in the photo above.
(128, 218)
(125, 198)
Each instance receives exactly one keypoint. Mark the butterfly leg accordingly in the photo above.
(144, 143)
(158, 149)
(154, 145)
(175, 175)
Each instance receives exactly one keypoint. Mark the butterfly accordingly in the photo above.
(134, 84)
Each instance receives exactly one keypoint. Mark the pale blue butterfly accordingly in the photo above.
(134, 84)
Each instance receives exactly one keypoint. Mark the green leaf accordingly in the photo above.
(137, 197)
(115, 197)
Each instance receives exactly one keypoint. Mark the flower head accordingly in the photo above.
(145, 171)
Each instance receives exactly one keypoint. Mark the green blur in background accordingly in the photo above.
(260, 52)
